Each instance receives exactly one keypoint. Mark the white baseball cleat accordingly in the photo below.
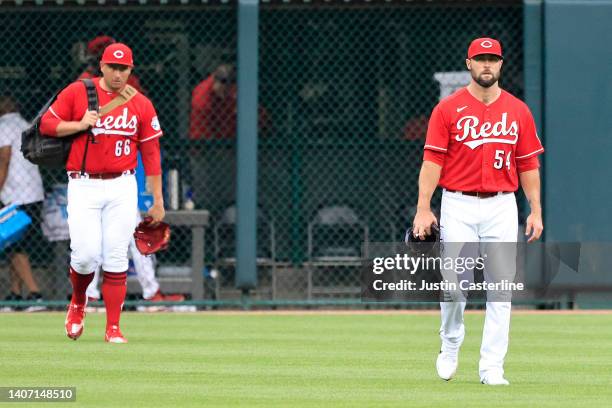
(494, 379)
(446, 365)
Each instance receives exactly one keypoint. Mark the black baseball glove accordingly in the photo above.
(429, 245)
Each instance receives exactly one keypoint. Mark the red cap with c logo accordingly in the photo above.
(118, 53)
(485, 46)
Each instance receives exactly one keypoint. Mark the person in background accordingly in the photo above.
(213, 107)
(213, 119)
(21, 184)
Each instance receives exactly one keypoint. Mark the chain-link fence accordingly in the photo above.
(345, 93)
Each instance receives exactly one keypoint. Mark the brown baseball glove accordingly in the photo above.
(151, 238)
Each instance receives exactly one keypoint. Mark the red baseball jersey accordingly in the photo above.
(117, 135)
(482, 147)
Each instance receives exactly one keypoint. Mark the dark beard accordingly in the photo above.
(486, 83)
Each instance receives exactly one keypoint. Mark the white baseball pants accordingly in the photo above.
(471, 219)
(101, 222)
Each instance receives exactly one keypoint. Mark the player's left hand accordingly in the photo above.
(157, 212)
(534, 226)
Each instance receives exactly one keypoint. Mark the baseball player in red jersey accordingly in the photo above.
(102, 199)
(144, 266)
(481, 141)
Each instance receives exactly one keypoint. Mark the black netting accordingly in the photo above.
(345, 91)
(350, 88)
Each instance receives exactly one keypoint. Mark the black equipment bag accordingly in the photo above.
(48, 151)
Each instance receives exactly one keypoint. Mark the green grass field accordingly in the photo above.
(308, 360)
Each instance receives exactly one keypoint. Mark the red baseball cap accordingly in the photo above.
(118, 53)
(485, 46)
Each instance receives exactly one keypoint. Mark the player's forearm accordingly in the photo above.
(428, 181)
(530, 182)
(155, 184)
(65, 128)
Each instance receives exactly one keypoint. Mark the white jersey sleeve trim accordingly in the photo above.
(435, 148)
(540, 150)
(54, 114)
(158, 134)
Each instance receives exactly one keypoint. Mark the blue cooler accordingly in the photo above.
(13, 223)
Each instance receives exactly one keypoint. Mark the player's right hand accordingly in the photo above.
(89, 119)
(423, 220)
